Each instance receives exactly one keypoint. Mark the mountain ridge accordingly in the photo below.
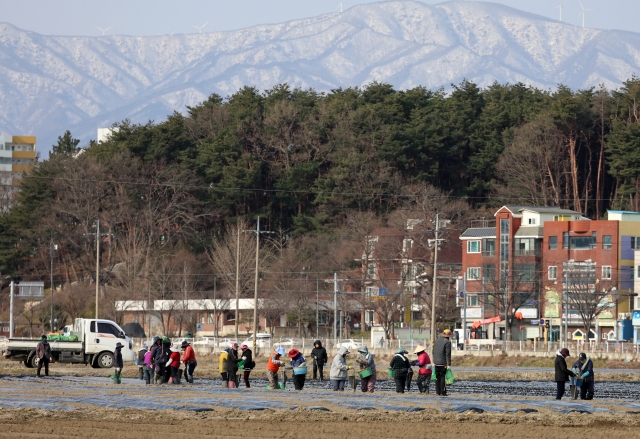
(53, 83)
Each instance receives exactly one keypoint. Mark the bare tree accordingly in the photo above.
(532, 166)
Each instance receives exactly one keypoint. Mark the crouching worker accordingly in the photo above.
(367, 363)
(339, 370)
(118, 364)
(174, 364)
(297, 360)
(273, 366)
(424, 369)
(585, 366)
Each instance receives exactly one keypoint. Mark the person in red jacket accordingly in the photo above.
(425, 369)
(174, 365)
(189, 361)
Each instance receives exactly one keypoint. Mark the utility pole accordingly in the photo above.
(98, 237)
(51, 250)
(464, 312)
(255, 291)
(11, 293)
(435, 280)
(237, 281)
(317, 306)
(215, 307)
(335, 308)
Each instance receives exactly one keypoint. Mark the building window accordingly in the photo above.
(562, 218)
(231, 317)
(473, 273)
(525, 272)
(606, 242)
(527, 247)
(638, 275)
(210, 320)
(552, 272)
(565, 240)
(532, 221)
(489, 247)
(553, 243)
(581, 242)
(369, 317)
(473, 246)
(606, 272)
(136, 318)
(635, 243)
(472, 300)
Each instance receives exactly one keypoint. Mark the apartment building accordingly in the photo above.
(553, 265)
(17, 156)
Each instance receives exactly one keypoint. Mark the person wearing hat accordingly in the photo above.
(585, 366)
(400, 366)
(174, 364)
(118, 364)
(43, 354)
(442, 361)
(367, 361)
(297, 360)
(339, 370)
(562, 372)
(140, 360)
(231, 365)
(273, 366)
(249, 364)
(424, 369)
(189, 361)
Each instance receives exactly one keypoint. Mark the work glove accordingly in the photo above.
(349, 367)
(586, 374)
(244, 358)
(448, 367)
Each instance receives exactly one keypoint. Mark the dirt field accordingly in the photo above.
(109, 423)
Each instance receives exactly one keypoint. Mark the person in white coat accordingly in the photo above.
(339, 368)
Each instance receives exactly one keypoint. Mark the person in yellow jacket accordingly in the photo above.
(224, 356)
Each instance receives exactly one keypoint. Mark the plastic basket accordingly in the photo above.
(390, 372)
(300, 370)
(365, 373)
(241, 364)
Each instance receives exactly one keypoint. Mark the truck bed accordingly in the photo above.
(19, 344)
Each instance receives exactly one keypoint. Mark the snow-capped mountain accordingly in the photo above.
(50, 83)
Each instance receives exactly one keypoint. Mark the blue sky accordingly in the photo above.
(156, 17)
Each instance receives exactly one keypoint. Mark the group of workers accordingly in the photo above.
(161, 364)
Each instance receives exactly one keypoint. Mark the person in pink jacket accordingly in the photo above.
(424, 364)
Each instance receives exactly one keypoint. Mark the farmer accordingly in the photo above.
(319, 355)
(147, 366)
(43, 353)
(368, 384)
(158, 358)
(140, 360)
(189, 361)
(562, 372)
(297, 360)
(222, 366)
(400, 365)
(424, 369)
(442, 361)
(166, 353)
(118, 364)
(174, 365)
(273, 366)
(247, 357)
(231, 365)
(339, 370)
(585, 366)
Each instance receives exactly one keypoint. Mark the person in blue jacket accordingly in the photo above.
(297, 360)
(584, 366)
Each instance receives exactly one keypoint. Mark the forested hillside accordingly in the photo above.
(306, 162)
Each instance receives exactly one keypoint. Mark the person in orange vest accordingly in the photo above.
(273, 366)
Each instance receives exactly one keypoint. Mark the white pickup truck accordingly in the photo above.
(95, 346)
